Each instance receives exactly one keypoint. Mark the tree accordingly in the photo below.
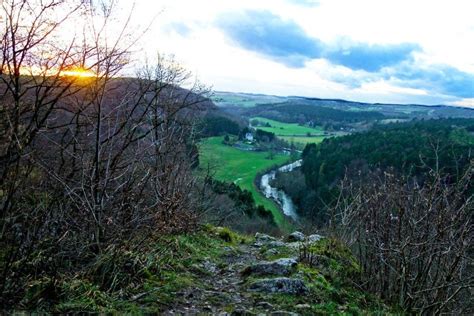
(413, 240)
(88, 159)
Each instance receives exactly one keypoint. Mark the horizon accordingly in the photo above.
(345, 100)
(396, 52)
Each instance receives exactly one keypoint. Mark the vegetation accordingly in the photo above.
(213, 125)
(293, 134)
(413, 239)
(411, 148)
(284, 129)
(109, 188)
(302, 113)
(92, 165)
(240, 167)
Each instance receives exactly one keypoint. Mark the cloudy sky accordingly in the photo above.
(400, 51)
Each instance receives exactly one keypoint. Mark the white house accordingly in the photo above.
(249, 137)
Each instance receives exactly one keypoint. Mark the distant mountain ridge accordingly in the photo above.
(338, 100)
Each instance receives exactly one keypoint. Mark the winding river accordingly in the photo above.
(280, 196)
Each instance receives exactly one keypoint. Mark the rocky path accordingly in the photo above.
(243, 279)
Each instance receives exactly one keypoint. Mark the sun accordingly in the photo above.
(78, 72)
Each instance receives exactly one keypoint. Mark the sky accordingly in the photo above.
(400, 51)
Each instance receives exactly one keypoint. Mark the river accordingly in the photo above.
(280, 196)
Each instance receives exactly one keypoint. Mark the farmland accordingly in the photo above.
(241, 167)
(291, 132)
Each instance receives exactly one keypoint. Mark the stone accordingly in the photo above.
(284, 266)
(276, 244)
(264, 237)
(263, 240)
(303, 306)
(264, 305)
(314, 238)
(283, 313)
(279, 285)
(296, 236)
(241, 312)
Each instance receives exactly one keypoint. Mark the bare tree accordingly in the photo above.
(413, 241)
(86, 161)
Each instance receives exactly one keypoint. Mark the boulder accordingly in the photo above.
(283, 313)
(263, 240)
(276, 244)
(279, 285)
(284, 266)
(264, 237)
(296, 236)
(314, 238)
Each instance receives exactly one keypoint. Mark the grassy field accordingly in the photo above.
(292, 132)
(241, 167)
(303, 139)
(287, 129)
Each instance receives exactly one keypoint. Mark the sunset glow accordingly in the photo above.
(78, 72)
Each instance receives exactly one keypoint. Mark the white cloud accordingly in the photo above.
(443, 29)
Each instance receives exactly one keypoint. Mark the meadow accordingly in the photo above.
(303, 139)
(292, 132)
(241, 167)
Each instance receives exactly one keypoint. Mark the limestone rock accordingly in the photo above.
(279, 285)
(283, 313)
(284, 266)
(296, 236)
(314, 238)
(264, 237)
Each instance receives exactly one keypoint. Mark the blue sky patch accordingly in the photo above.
(371, 58)
(270, 35)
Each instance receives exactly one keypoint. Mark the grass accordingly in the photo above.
(287, 129)
(303, 139)
(241, 167)
(292, 132)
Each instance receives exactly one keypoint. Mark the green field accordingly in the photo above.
(241, 167)
(287, 129)
(303, 139)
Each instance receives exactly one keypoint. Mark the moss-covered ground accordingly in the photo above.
(200, 273)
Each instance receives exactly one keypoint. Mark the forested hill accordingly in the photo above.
(407, 149)
(411, 148)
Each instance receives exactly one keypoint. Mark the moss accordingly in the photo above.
(228, 235)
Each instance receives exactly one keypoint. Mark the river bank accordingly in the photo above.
(279, 196)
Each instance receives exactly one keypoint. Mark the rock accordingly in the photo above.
(270, 252)
(314, 238)
(209, 267)
(279, 285)
(284, 266)
(303, 306)
(264, 237)
(283, 313)
(241, 312)
(276, 244)
(264, 305)
(296, 236)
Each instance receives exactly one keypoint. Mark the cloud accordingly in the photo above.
(442, 79)
(371, 58)
(305, 3)
(270, 35)
(353, 64)
(179, 28)
(286, 42)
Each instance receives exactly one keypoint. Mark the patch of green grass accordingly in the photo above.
(165, 266)
(287, 129)
(303, 139)
(329, 280)
(241, 167)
